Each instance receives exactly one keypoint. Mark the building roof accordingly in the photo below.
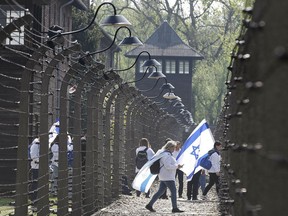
(80, 5)
(165, 42)
(76, 3)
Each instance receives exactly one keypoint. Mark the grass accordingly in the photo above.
(5, 207)
(5, 201)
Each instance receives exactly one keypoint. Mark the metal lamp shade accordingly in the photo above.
(132, 41)
(177, 98)
(170, 96)
(179, 104)
(115, 20)
(156, 75)
(150, 62)
(168, 86)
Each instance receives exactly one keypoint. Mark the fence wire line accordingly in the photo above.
(41, 80)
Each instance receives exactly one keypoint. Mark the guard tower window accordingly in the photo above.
(159, 68)
(170, 67)
(183, 67)
(141, 69)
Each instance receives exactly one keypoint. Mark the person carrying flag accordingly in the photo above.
(193, 150)
(168, 167)
(214, 171)
(145, 147)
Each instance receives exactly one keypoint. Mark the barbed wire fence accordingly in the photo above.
(106, 118)
(42, 81)
(253, 120)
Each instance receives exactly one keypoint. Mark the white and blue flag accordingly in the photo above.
(197, 144)
(144, 179)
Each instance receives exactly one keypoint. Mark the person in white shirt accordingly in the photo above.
(168, 167)
(70, 153)
(144, 144)
(179, 173)
(34, 154)
(214, 171)
(164, 195)
(54, 165)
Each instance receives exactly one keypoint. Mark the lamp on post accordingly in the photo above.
(132, 41)
(171, 100)
(157, 96)
(148, 63)
(179, 104)
(170, 95)
(113, 20)
(158, 78)
(158, 75)
(166, 86)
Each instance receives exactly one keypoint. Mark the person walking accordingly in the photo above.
(54, 165)
(214, 171)
(166, 176)
(202, 180)
(192, 186)
(143, 153)
(179, 173)
(34, 155)
(164, 195)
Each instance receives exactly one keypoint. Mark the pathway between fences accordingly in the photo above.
(135, 206)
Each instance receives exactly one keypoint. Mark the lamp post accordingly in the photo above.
(165, 86)
(148, 63)
(113, 20)
(131, 40)
(160, 75)
(147, 90)
(168, 95)
(134, 41)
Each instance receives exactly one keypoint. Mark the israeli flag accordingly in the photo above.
(144, 179)
(197, 144)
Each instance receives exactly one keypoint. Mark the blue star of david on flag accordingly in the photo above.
(199, 142)
(194, 151)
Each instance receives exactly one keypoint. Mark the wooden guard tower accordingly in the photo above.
(177, 63)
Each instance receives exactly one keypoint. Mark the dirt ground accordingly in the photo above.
(135, 206)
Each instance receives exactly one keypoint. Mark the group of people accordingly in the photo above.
(170, 169)
(34, 155)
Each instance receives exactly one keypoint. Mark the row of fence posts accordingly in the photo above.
(252, 124)
(104, 115)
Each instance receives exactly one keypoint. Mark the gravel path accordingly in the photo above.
(135, 206)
